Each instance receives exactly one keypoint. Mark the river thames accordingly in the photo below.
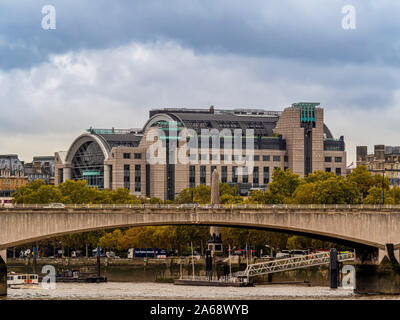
(168, 291)
(134, 283)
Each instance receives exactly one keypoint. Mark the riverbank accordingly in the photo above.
(84, 262)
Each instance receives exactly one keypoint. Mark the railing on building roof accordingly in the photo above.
(114, 131)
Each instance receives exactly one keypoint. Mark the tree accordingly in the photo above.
(375, 196)
(224, 188)
(257, 197)
(185, 196)
(202, 194)
(326, 190)
(283, 185)
(37, 192)
(231, 199)
(395, 194)
(155, 200)
(298, 242)
(362, 178)
(318, 176)
(111, 240)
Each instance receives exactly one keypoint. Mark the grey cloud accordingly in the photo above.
(50, 104)
(292, 29)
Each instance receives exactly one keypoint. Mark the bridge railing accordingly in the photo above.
(202, 207)
(292, 263)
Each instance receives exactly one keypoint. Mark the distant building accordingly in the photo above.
(12, 175)
(295, 138)
(41, 168)
(384, 160)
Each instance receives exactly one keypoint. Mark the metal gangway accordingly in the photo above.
(292, 263)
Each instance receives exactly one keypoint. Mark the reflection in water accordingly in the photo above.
(139, 283)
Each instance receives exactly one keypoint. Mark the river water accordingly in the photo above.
(130, 283)
(151, 291)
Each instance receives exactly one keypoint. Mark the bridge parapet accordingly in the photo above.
(364, 225)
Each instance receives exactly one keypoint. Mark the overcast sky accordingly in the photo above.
(108, 63)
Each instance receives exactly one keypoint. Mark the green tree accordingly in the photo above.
(112, 240)
(202, 194)
(185, 196)
(362, 178)
(328, 190)
(298, 242)
(375, 196)
(283, 185)
(37, 192)
(231, 199)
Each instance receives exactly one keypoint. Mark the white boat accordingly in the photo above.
(21, 280)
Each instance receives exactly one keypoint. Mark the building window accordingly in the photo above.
(202, 174)
(138, 156)
(224, 174)
(338, 159)
(256, 179)
(234, 175)
(235, 157)
(138, 173)
(266, 175)
(213, 157)
(276, 158)
(192, 176)
(193, 157)
(127, 176)
(245, 174)
(127, 155)
(203, 157)
(256, 158)
(327, 169)
(266, 158)
(338, 171)
(328, 159)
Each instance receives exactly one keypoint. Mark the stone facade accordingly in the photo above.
(384, 160)
(12, 175)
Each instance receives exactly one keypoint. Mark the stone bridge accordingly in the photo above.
(373, 230)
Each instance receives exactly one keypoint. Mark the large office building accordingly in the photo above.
(385, 160)
(244, 145)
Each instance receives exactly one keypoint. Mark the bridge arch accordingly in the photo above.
(41, 224)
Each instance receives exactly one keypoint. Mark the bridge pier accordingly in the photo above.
(376, 256)
(3, 273)
(377, 270)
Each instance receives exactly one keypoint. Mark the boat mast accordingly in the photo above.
(247, 256)
(191, 246)
(230, 263)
